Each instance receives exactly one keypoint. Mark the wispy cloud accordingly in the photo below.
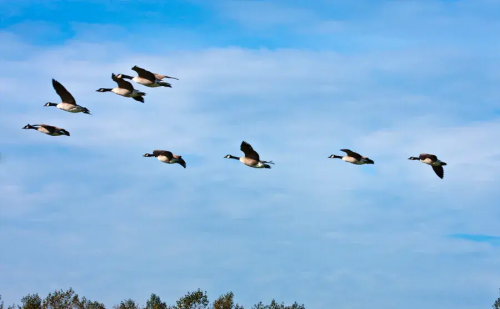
(493, 240)
(311, 229)
(268, 14)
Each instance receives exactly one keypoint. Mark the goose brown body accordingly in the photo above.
(47, 129)
(251, 158)
(147, 78)
(166, 156)
(353, 157)
(124, 89)
(433, 161)
(68, 102)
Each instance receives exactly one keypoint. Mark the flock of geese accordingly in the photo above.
(146, 78)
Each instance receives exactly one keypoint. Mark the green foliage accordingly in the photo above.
(496, 305)
(155, 302)
(193, 300)
(63, 300)
(2, 305)
(259, 305)
(226, 301)
(87, 304)
(127, 304)
(275, 305)
(198, 299)
(31, 301)
(60, 300)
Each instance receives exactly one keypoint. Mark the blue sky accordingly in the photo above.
(299, 81)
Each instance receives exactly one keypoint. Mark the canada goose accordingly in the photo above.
(125, 89)
(166, 157)
(353, 157)
(147, 78)
(68, 102)
(49, 130)
(432, 160)
(251, 157)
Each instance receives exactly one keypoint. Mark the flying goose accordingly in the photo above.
(68, 102)
(251, 157)
(125, 89)
(353, 157)
(166, 157)
(49, 130)
(432, 160)
(147, 78)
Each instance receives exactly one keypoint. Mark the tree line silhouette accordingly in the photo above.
(198, 299)
(192, 300)
(496, 304)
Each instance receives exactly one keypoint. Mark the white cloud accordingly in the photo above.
(311, 229)
(266, 15)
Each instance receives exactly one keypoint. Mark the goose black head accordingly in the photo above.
(103, 90)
